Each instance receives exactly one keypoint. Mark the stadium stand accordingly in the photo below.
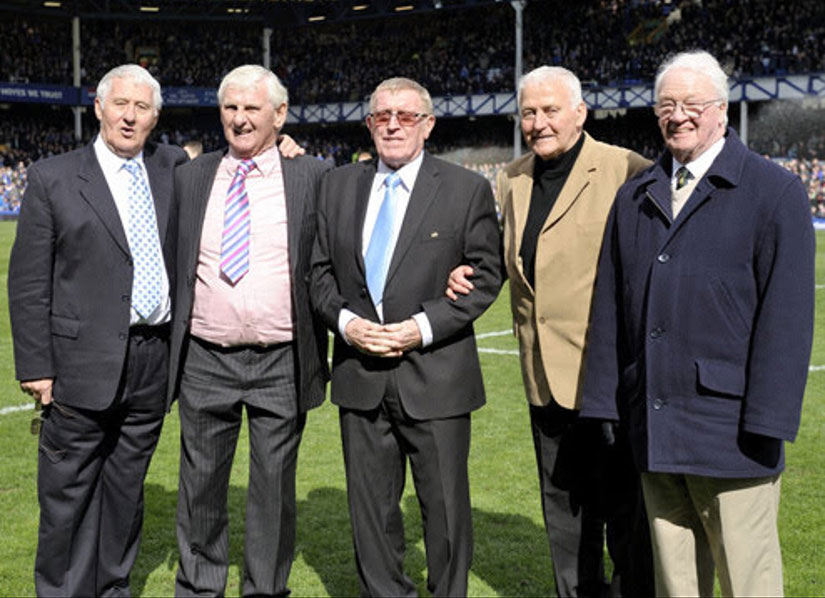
(606, 42)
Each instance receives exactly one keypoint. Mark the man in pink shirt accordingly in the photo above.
(243, 337)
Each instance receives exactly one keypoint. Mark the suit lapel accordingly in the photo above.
(95, 191)
(577, 181)
(196, 197)
(522, 190)
(423, 194)
(294, 190)
(161, 189)
(362, 198)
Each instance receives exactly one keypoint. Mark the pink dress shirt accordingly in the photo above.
(258, 309)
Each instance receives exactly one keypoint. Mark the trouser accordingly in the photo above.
(377, 445)
(697, 522)
(216, 385)
(91, 469)
(589, 487)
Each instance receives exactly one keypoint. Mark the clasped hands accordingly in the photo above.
(383, 340)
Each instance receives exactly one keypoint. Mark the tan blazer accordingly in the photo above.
(550, 321)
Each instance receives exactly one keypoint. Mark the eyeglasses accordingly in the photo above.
(405, 118)
(690, 109)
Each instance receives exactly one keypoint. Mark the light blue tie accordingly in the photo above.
(379, 251)
(144, 243)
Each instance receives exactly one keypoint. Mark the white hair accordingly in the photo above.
(697, 61)
(546, 74)
(139, 75)
(248, 76)
(396, 84)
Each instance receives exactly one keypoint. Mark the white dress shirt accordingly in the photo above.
(407, 173)
(118, 179)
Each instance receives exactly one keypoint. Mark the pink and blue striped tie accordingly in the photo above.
(236, 226)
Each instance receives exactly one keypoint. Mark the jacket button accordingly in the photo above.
(541, 320)
(128, 261)
(122, 336)
(124, 298)
(658, 404)
(364, 292)
(663, 258)
(656, 332)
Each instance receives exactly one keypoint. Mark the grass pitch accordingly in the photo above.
(511, 554)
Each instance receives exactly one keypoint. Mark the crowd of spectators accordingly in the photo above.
(606, 42)
(453, 52)
(12, 186)
(812, 173)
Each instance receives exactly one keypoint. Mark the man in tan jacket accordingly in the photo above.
(554, 203)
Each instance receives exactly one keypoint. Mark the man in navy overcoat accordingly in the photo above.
(701, 335)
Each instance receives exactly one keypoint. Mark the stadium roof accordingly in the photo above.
(274, 13)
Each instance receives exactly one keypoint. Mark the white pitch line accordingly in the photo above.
(16, 408)
(498, 351)
(492, 334)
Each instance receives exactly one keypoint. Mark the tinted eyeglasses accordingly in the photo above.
(405, 118)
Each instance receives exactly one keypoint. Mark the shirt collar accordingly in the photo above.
(109, 161)
(407, 173)
(700, 165)
(267, 162)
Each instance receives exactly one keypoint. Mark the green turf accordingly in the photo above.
(511, 555)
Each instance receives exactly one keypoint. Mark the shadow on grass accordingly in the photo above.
(324, 539)
(159, 545)
(501, 544)
(501, 541)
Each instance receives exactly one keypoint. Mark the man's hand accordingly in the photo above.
(370, 338)
(459, 282)
(289, 148)
(404, 336)
(40, 390)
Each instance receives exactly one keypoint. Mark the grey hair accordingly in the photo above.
(139, 75)
(399, 84)
(248, 76)
(698, 61)
(545, 74)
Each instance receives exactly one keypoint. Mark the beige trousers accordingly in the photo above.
(697, 522)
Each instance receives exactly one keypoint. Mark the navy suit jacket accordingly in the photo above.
(302, 177)
(70, 273)
(450, 220)
(702, 327)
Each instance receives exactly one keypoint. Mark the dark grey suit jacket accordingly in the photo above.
(302, 177)
(70, 274)
(450, 220)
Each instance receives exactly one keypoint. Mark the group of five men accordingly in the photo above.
(677, 346)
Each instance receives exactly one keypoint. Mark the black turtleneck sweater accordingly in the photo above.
(549, 177)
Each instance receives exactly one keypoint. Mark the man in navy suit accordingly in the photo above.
(89, 293)
(701, 335)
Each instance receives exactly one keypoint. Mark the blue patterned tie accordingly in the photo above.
(236, 226)
(144, 243)
(379, 251)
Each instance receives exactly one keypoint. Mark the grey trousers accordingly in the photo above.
(217, 384)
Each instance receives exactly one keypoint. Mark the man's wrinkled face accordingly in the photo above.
(688, 136)
(395, 143)
(127, 116)
(250, 122)
(551, 124)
